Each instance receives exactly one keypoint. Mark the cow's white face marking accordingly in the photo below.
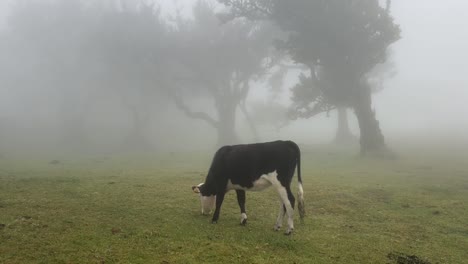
(196, 188)
(207, 203)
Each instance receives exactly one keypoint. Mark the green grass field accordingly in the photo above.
(140, 209)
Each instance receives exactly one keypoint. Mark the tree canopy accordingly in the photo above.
(340, 42)
(220, 60)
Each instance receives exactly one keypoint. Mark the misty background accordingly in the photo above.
(94, 77)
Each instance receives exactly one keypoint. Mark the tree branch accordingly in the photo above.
(249, 8)
(318, 108)
(195, 115)
(249, 121)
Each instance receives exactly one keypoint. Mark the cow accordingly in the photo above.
(253, 167)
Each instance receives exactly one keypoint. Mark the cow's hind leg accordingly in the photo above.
(283, 193)
(286, 198)
(279, 220)
(290, 212)
(241, 201)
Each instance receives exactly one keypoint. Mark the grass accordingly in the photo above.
(140, 209)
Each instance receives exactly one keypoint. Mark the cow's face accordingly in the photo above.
(207, 201)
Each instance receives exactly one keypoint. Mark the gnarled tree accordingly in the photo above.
(218, 61)
(344, 39)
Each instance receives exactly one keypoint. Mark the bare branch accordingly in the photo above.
(195, 115)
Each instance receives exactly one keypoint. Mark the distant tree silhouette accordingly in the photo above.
(219, 61)
(340, 42)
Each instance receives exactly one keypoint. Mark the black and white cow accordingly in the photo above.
(253, 167)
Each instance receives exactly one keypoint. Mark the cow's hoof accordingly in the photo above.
(277, 228)
(214, 222)
(288, 232)
(243, 219)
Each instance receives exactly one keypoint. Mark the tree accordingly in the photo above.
(45, 39)
(312, 96)
(219, 61)
(86, 52)
(132, 41)
(340, 42)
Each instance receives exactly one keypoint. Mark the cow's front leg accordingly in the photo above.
(241, 201)
(219, 202)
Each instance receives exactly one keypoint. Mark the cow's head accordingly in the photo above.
(207, 201)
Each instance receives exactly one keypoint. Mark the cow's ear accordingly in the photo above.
(195, 189)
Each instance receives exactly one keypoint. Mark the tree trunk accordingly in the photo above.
(343, 133)
(371, 138)
(227, 124)
(251, 123)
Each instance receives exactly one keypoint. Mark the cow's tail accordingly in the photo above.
(300, 194)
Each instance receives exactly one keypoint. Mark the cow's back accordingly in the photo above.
(246, 163)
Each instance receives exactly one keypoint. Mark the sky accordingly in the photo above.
(4, 6)
(430, 89)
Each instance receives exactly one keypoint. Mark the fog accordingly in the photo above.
(129, 80)
(430, 88)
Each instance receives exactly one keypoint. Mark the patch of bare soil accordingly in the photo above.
(401, 258)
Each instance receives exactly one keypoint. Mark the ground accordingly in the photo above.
(141, 209)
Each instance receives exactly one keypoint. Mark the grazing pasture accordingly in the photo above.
(141, 209)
